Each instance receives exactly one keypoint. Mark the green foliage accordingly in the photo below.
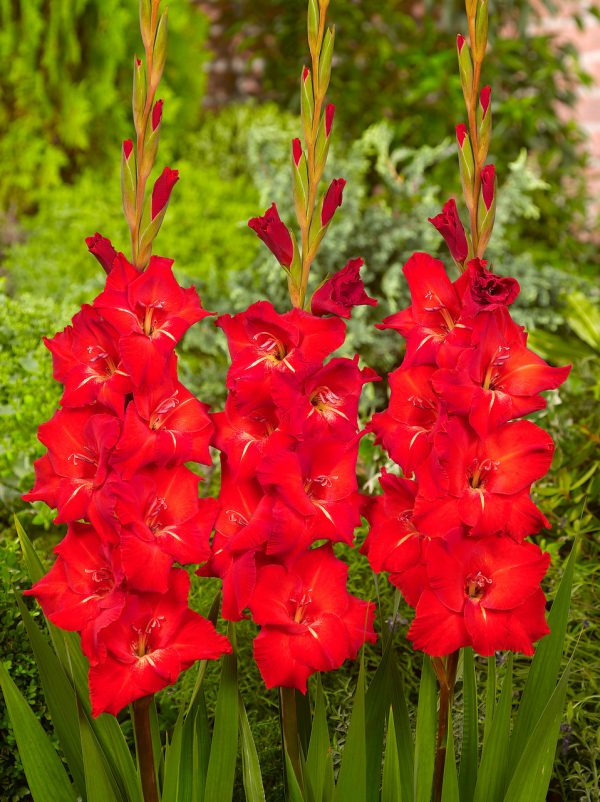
(397, 63)
(64, 85)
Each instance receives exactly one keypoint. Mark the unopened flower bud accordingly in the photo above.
(481, 30)
(449, 225)
(465, 66)
(146, 21)
(342, 292)
(466, 162)
(300, 173)
(325, 61)
(323, 138)
(487, 207)
(139, 93)
(484, 123)
(161, 192)
(128, 181)
(275, 234)
(102, 249)
(160, 50)
(307, 102)
(313, 25)
(332, 200)
(152, 137)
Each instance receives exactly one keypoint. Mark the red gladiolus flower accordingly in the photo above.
(261, 341)
(325, 404)
(405, 428)
(83, 591)
(483, 593)
(309, 620)
(86, 360)
(332, 200)
(102, 249)
(450, 227)
(342, 292)
(499, 378)
(166, 425)
(163, 521)
(275, 235)
(156, 638)
(434, 312)
(162, 190)
(488, 479)
(151, 312)
(394, 543)
(80, 443)
(243, 437)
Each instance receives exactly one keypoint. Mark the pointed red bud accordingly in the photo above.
(332, 200)
(461, 133)
(296, 151)
(102, 249)
(484, 99)
(450, 227)
(460, 42)
(329, 114)
(127, 148)
(305, 73)
(157, 114)
(274, 233)
(488, 178)
(162, 190)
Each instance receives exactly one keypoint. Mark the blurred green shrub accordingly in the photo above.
(64, 86)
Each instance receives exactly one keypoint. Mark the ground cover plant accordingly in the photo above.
(277, 382)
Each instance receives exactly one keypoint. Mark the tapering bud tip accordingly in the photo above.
(102, 249)
(460, 42)
(449, 225)
(332, 200)
(305, 74)
(296, 151)
(461, 134)
(162, 190)
(275, 234)
(157, 111)
(127, 148)
(488, 182)
(329, 115)
(484, 99)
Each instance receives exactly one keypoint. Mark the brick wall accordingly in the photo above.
(587, 42)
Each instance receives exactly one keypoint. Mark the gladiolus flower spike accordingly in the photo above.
(115, 470)
(452, 534)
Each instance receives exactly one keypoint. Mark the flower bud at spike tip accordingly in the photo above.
(146, 21)
(484, 100)
(461, 133)
(162, 190)
(481, 31)
(127, 148)
(488, 179)
(296, 151)
(103, 250)
(332, 200)
(307, 102)
(466, 162)
(313, 24)
(128, 181)
(465, 66)
(329, 115)
(160, 50)
(325, 61)
(274, 233)
(139, 93)
(157, 114)
(450, 227)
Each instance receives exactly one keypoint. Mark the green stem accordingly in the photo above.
(446, 674)
(289, 728)
(145, 752)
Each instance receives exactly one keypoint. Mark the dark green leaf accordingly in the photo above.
(253, 785)
(352, 779)
(492, 775)
(425, 733)
(467, 777)
(390, 786)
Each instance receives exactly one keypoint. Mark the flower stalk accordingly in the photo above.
(445, 671)
(145, 753)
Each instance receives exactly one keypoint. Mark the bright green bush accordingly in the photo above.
(64, 83)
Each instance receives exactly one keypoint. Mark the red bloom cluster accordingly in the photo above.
(114, 469)
(452, 534)
(288, 440)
